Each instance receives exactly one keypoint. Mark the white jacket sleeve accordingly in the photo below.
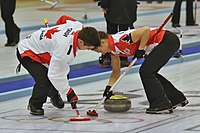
(57, 73)
(59, 65)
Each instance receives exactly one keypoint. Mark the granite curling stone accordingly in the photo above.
(117, 103)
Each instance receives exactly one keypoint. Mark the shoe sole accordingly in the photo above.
(181, 104)
(33, 113)
(10, 45)
(166, 111)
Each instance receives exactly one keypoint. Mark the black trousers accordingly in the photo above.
(7, 11)
(114, 28)
(189, 12)
(157, 88)
(150, 1)
(43, 87)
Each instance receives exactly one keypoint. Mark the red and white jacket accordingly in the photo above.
(54, 47)
(122, 44)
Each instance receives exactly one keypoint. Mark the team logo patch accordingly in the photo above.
(28, 36)
(67, 32)
(51, 32)
(127, 39)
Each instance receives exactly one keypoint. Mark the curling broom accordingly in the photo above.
(79, 118)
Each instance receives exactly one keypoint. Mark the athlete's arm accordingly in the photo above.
(115, 69)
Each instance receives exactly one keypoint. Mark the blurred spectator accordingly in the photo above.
(150, 1)
(120, 16)
(11, 29)
(189, 14)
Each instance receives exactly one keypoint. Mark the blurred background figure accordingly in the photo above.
(11, 29)
(189, 14)
(150, 1)
(120, 16)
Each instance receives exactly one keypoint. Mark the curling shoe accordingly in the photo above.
(175, 25)
(181, 104)
(160, 110)
(57, 101)
(34, 110)
(192, 24)
(12, 44)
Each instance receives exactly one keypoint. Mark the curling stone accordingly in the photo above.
(117, 103)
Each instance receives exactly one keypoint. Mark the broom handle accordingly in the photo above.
(116, 82)
(46, 23)
(163, 24)
(77, 112)
(161, 27)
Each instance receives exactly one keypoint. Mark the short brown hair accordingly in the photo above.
(90, 36)
(103, 35)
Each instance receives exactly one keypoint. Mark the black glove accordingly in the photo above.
(107, 92)
(72, 98)
(139, 54)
